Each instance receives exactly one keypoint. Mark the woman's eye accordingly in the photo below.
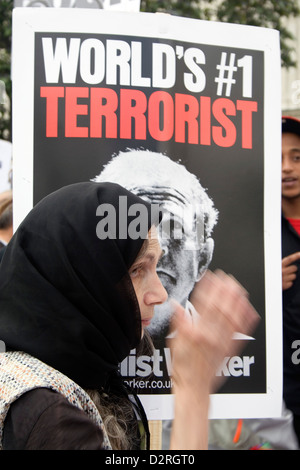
(135, 271)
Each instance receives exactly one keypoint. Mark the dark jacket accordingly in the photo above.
(291, 325)
(44, 420)
(2, 250)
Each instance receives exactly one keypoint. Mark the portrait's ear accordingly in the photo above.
(205, 257)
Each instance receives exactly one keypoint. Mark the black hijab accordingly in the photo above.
(65, 295)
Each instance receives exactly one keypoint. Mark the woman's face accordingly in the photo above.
(147, 285)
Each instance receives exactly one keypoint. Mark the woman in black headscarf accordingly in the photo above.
(66, 297)
(72, 306)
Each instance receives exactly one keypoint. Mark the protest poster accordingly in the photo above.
(92, 87)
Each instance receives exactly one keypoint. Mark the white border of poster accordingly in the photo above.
(120, 5)
(29, 21)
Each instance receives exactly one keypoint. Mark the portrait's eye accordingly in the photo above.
(163, 253)
(172, 228)
(176, 228)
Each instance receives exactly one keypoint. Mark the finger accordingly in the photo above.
(219, 293)
(292, 268)
(225, 277)
(288, 280)
(179, 318)
(286, 285)
(287, 260)
(289, 276)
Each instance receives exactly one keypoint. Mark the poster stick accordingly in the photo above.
(155, 427)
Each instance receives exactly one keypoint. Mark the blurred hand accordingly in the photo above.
(200, 346)
(198, 350)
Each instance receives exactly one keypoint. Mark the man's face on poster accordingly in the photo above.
(181, 239)
(185, 206)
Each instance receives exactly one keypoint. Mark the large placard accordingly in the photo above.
(185, 113)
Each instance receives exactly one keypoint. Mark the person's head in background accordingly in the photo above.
(290, 161)
(5, 195)
(185, 232)
(6, 217)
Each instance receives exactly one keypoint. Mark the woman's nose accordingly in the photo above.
(157, 294)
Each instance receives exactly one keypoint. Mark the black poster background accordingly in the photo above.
(234, 177)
